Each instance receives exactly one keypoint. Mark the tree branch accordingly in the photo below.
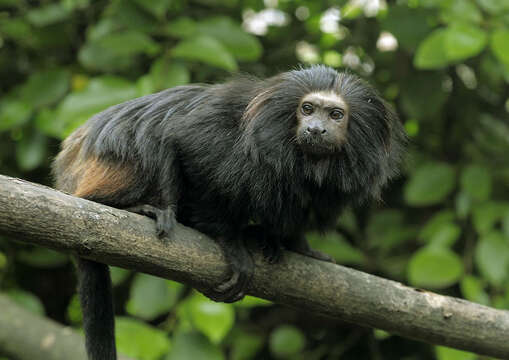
(26, 336)
(43, 216)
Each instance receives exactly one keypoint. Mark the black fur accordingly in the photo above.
(96, 302)
(223, 156)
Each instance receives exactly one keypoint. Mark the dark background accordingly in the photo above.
(443, 225)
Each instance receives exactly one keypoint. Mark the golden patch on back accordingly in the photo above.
(85, 175)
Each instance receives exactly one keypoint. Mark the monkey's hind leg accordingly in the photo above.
(233, 288)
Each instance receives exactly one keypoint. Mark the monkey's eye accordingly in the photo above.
(336, 114)
(307, 108)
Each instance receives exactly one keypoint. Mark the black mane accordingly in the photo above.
(236, 149)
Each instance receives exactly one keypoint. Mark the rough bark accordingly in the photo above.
(26, 336)
(46, 217)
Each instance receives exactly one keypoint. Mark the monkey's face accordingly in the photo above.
(322, 123)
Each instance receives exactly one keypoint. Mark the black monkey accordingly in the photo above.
(285, 153)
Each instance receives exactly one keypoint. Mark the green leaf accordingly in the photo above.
(207, 50)
(430, 184)
(286, 341)
(351, 10)
(422, 95)
(31, 151)
(27, 300)
(240, 44)
(446, 236)
(3, 261)
(445, 353)
(464, 41)
(395, 266)
(436, 223)
(449, 45)
(492, 257)
(476, 182)
(245, 345)
(213, 319)
(46, 124)
(46, 87)
(100, 93)
(493, 6)
(386, 229)
(193, 346)
(166, 74)
(151, 296)
(473, 290)
(42, 258)
(107, 50)
(95, 57)
(14, 113)
(16, 29)
(182, 27)
(74, 314)
(75, 4)
(434, 267)
(408, 25)
(486, 216)
(463, 204)
(431, 51)
(48, 14)
(335, 245)
(461, 11)
(118, 275)
(500, 45)
(127, 15)
(381, 334)
(145, 85)
(252, 301)
(9, 3)
(100, 29)
(158, 8)
(139, 340)
(129, 43)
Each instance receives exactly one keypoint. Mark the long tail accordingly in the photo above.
(97, 307)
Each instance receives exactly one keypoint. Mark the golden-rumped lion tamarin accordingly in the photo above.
(286, 153)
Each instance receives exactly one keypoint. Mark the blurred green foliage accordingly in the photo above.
(444, 225)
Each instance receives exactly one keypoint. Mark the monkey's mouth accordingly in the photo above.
(316, 145)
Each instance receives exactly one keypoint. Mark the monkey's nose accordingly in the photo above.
(316, 130)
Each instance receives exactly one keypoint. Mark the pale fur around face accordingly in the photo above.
(324, 102)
